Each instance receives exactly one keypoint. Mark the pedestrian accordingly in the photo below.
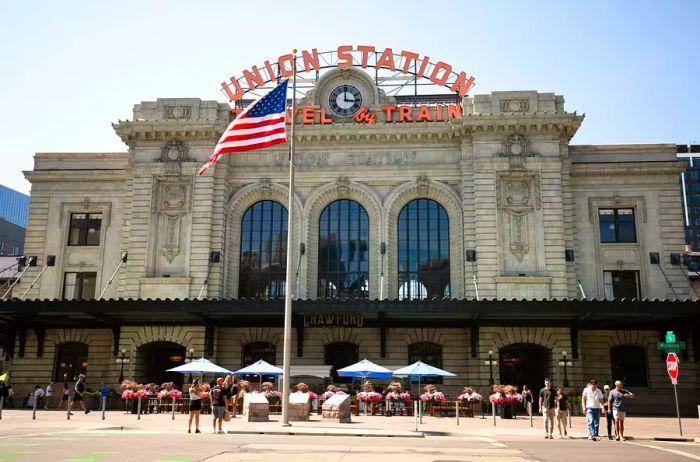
(3, 393)
(195, 406)
(607, 410)
(618, 402)
(563, 410)
(37, 396)
(548, 408)
(65, 394)
(49, 395)
(219, 403)
(527, 399)
(592, 403)
(229, 387)
(78, 397)
(10, 397)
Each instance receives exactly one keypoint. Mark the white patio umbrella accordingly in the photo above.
(364, 369)
(260, 368)
(200, 366)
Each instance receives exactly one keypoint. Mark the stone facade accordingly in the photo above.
(513, 187)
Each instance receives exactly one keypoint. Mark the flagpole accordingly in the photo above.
(287, 355)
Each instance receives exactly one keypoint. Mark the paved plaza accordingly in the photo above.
(156, 437)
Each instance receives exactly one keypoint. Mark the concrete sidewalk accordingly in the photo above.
(637, 428)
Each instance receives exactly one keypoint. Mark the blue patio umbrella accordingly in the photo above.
(260, 368)
(364, 369)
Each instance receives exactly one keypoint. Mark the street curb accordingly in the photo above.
(308, 431)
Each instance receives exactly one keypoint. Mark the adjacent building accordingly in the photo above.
(14, 209)
(574, 249)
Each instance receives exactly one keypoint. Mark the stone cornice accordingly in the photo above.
(627, 169)
(560, 124)
(168, 129)
(75, 176)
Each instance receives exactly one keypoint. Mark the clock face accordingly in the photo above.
(345, 100)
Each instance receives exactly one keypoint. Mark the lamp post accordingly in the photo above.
(121, 360)
(491, 362)
(190, 357)
(565, 363)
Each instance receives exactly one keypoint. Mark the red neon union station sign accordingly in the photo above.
(364, 56)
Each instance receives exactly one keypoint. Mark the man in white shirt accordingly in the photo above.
(38, 396)
(49, 395)
(592, 402)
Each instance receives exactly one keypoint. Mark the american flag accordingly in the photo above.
(260, 125)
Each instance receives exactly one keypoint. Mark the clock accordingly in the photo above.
(345, 100)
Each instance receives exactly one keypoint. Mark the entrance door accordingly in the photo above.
(340, 355)
(524, 364)
(154, 359)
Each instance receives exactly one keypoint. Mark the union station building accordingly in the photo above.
(465, 232)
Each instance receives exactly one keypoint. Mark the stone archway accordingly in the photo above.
(153, 359)
(524, 364)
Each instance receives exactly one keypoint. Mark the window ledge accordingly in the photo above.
(523, 280)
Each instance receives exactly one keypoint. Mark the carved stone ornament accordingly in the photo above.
(171, 241)
(177, 112)
(343, 185)
(517, 197)
(265, 184)
(515, 105)
(172, 154)
(516, 149)
(423, 183)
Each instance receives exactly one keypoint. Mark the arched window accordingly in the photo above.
(340, 355)
(263, 263)
(424, 250)
(343, 251)
(153, 360)
(71, 360)
(429, 353)
(255, 351)
(629, 364)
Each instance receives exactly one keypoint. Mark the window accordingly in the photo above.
(621, 284)
(424, 250)
(255, 351)
(2, 247)
(71, 360)
(85, 229)
(79, 286)
(617, 225)
(429, 353)
(15, 250)
(340, 355)
(263, 263)
(343, 251)
(629, 364)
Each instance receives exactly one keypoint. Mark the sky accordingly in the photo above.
(72, 68)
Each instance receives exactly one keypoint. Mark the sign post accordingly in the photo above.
(673, 370)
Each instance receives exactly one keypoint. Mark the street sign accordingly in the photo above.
(671, 345)
(672, 367)
(674, 347)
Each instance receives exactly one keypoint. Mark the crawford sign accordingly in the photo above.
(365, 56)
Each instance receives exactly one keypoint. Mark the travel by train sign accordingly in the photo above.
(416, 69)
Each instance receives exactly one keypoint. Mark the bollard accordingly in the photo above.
(529, 411)
(104, 407)
(139, 410)
(174, 408)
(70, 405)
(2, 403)
(34, 407)
(493, 411)
(420, 412)
(483, 413)
(415, 415)
(457, 411)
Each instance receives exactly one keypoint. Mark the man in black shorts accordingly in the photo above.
(219, 403)
(78, 395)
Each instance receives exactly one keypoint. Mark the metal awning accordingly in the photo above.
(311, 371)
